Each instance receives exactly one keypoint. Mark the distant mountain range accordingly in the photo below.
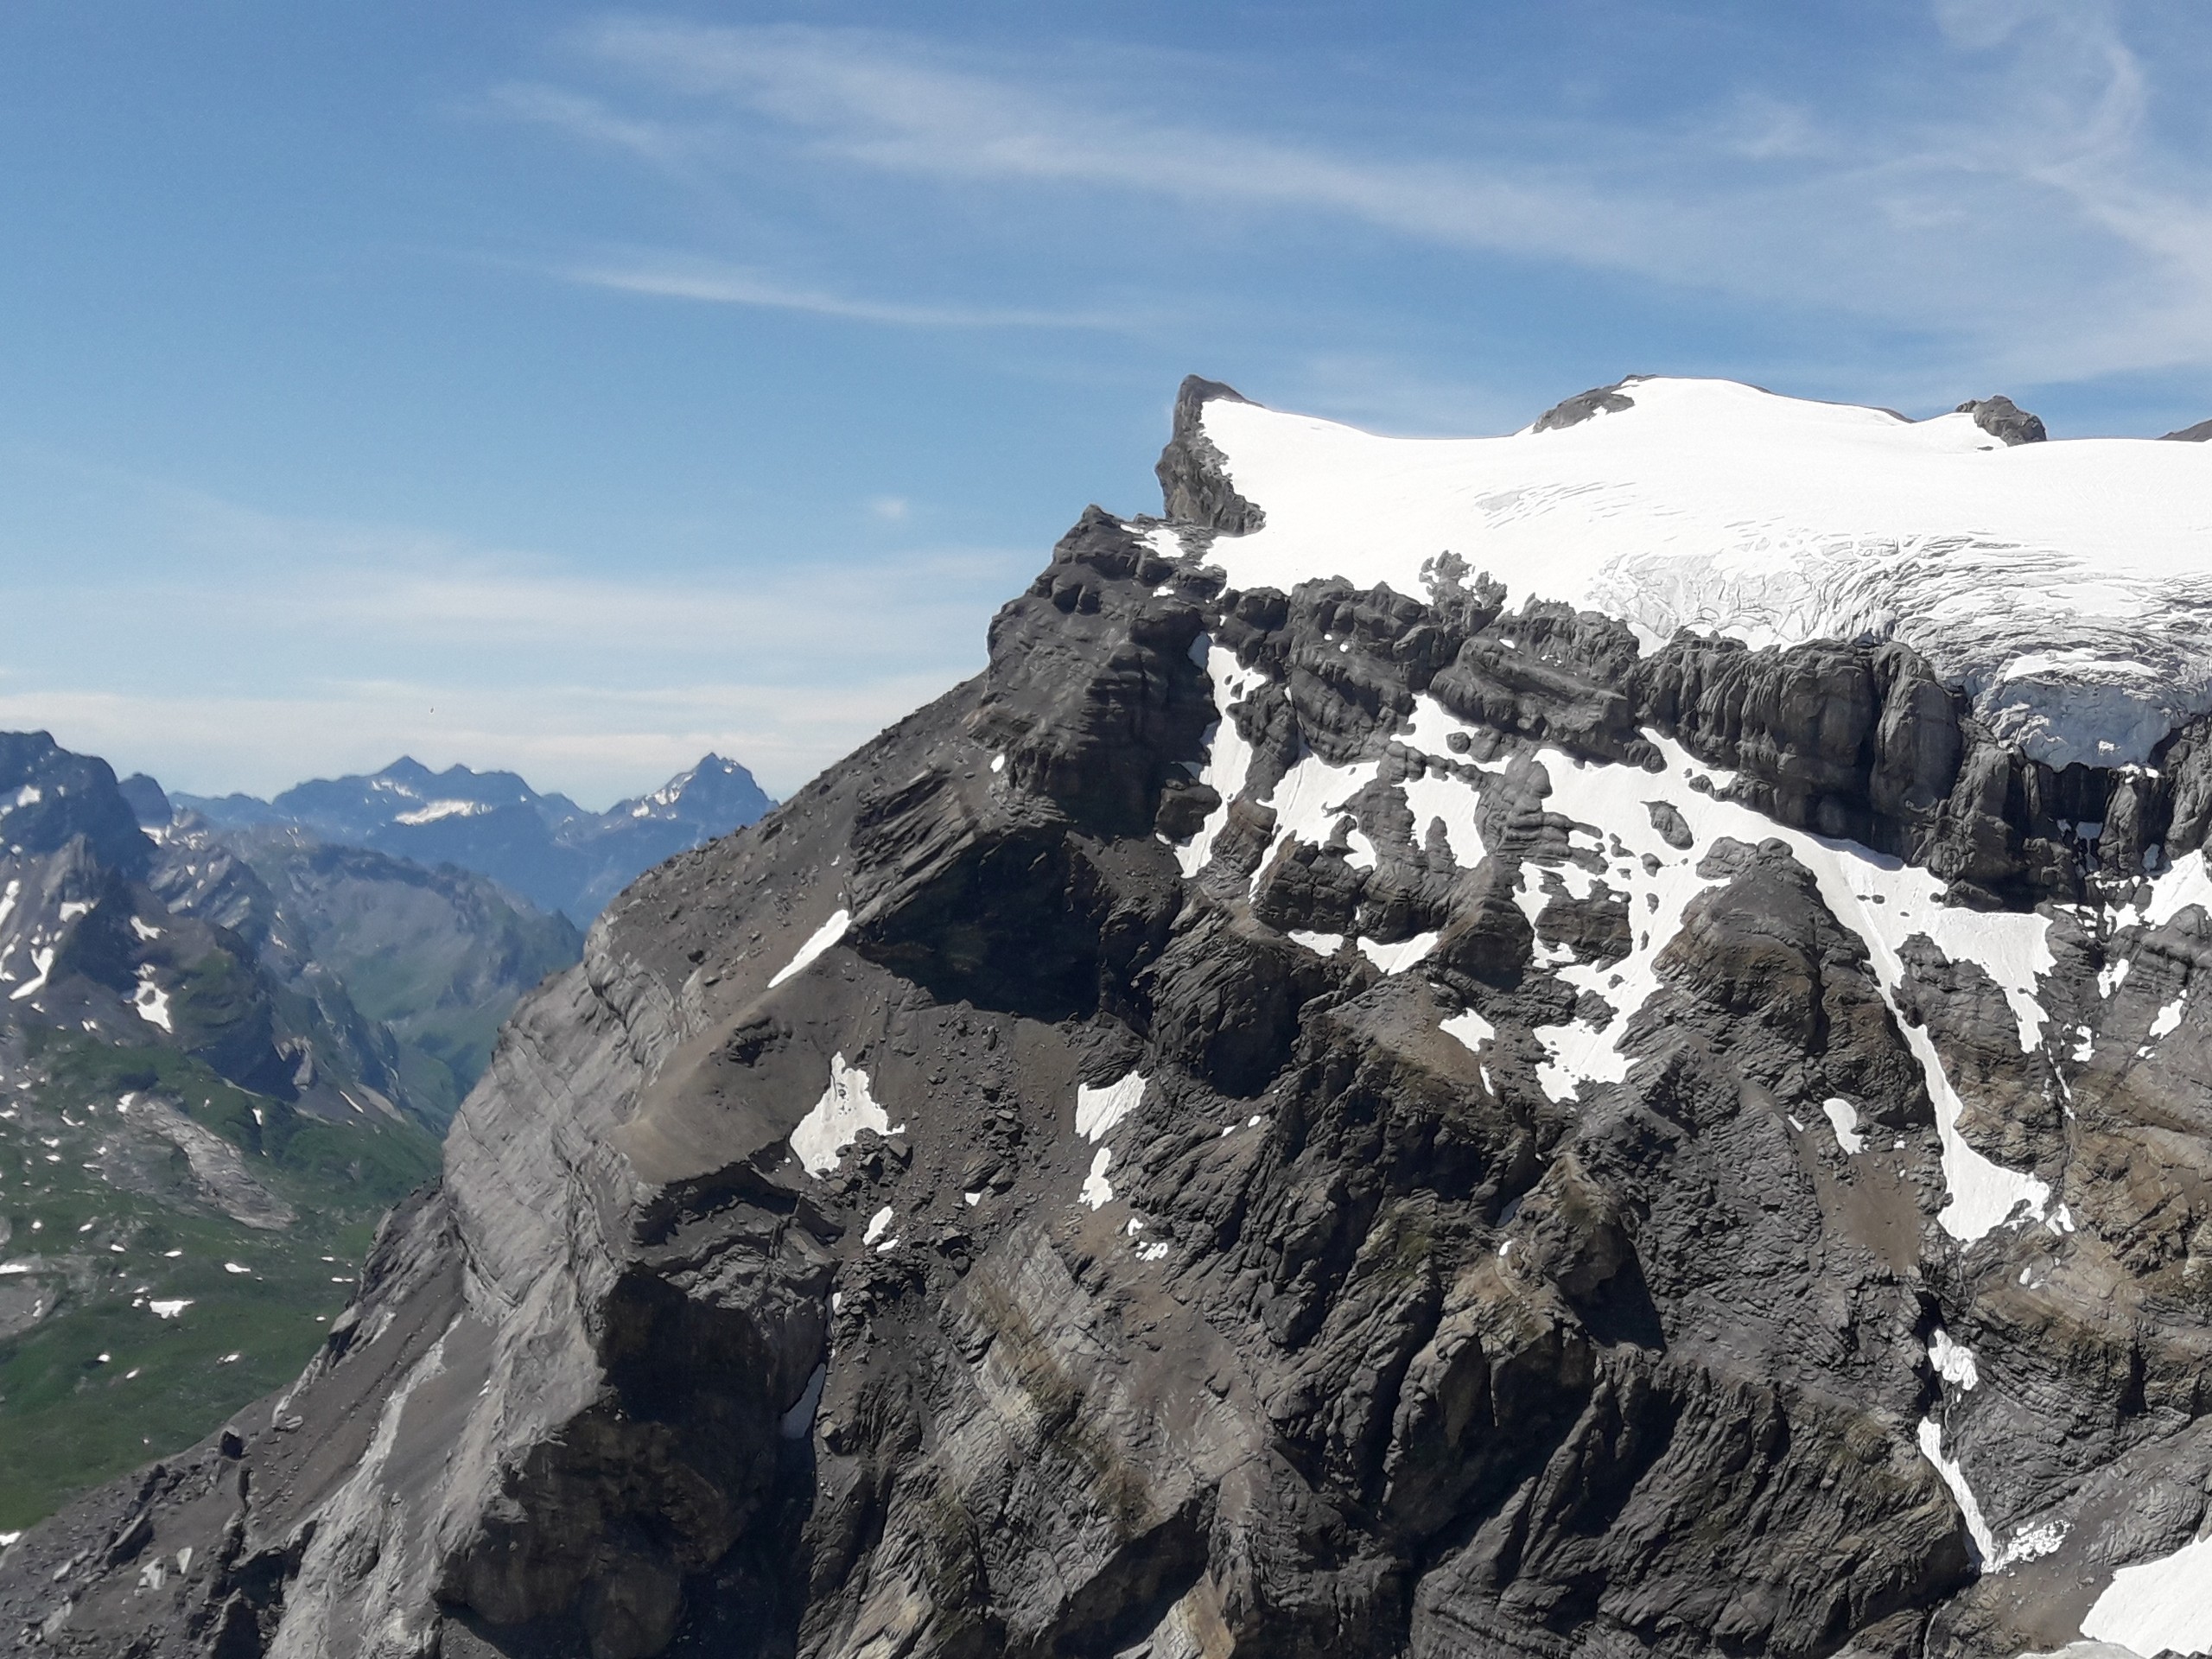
(546, 847)
(434, 957)
(230, 1036)
(199, 1127)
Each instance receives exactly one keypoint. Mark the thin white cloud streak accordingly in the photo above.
(582, 117)
(2006, 203)
(873, 99)
(677, 278)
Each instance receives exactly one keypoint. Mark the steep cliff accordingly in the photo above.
(1310, 1111)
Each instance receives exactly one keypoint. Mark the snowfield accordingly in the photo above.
(2062, 583)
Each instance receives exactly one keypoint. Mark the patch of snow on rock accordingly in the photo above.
(43, 962)
(1932, 1447)
(817, 941)
(1097, 1191)
(1578, 1052)
(1469, 1028)
(1396, 958)
(2173, 890)
(2158, 1606)
(846, 1107)
(1436, 799)
(1953, 1361)
(1844, 1116)
(1228, 757)
(2031, 1543)
(1309, 800)
(1097, 1110)
(151, 1001)
(798, 1422)
(432, 811)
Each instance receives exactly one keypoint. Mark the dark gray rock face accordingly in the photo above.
(2201, 433)
(2004, 420)
(1599, 400)
(1193, 479)
(1121, 1164)
(50, 797)
(147, 801)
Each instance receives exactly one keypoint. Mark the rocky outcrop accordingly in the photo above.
(147, 801)
(2201, 432)
(1193, 480)
(50, 796)
(1274, 1123)
(1598, 400)
(2004, 420)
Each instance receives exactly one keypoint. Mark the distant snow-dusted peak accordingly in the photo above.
(715, 791)
(2065, 585)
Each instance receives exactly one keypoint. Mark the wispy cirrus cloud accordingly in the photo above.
(675, 276)
(582, 116)
(893, 104)
(2008, 201)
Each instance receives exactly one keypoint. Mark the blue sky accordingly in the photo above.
(574, 390)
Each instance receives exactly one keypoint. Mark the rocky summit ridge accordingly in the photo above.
(1353, 1094)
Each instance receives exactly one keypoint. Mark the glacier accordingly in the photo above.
(2063, 584)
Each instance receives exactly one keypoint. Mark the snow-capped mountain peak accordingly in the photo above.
(715, 789)
(2063, 584)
